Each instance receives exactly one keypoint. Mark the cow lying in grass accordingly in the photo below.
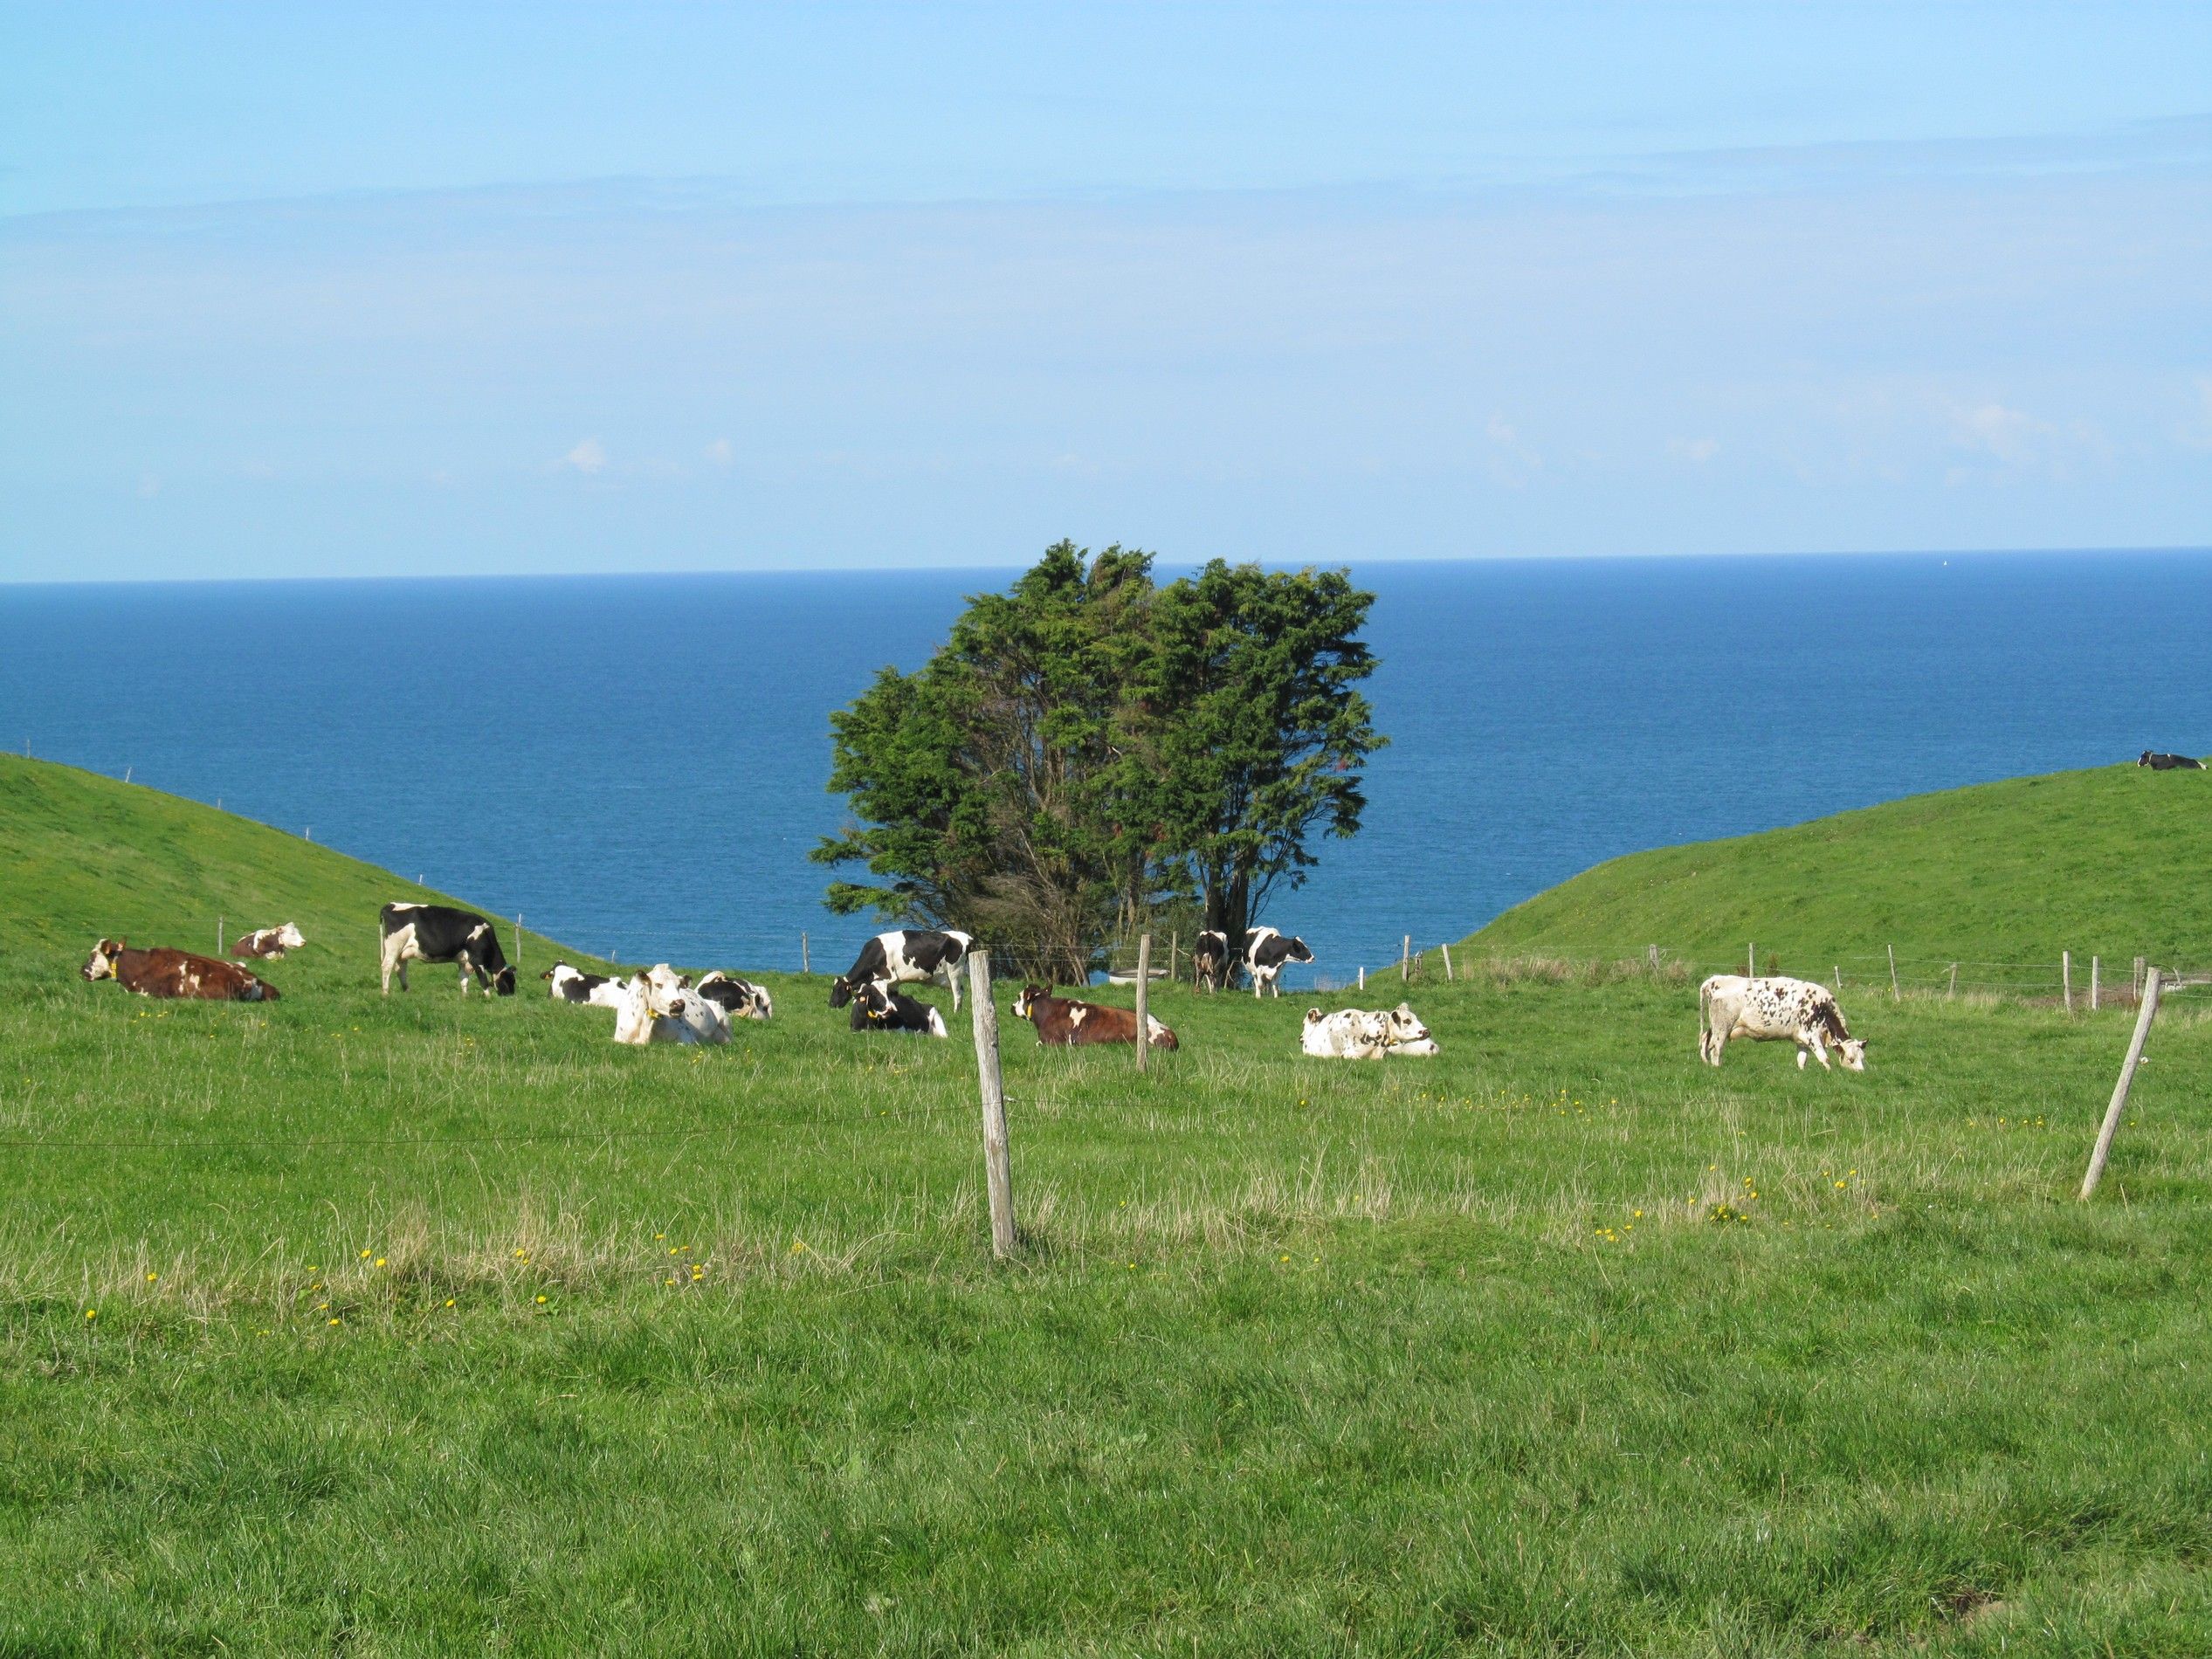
(568, 984)
(1772, 1010)
(877, 1005)
(1357, 1033)
(162, 972)
(739, 999)
(656, 1010)
(1069, 1023)
(271, 942)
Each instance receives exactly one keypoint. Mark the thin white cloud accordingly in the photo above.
(2012, 440)
(588, 457)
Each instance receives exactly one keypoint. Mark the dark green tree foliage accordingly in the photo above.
(1088, 745)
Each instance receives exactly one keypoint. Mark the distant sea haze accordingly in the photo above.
(636, 764)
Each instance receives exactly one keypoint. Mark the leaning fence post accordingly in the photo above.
(2066, 979)
(1448, 973)
(1896, 996)
(1144, 999)
(2119, 1090)
(997, 1175)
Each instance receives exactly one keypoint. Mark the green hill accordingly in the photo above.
(83, 855)
(2001, 877)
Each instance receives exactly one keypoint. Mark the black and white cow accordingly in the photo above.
(1774, 1009)
(1210, 959)
(1265, 951)
(906, 956)
(568, 984)
(739, 999)
(2159, 762)
(441, 934)
(877, 1006)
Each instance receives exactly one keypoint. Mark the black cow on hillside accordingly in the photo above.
(906, 956)
(441, 934)
(2159, 762)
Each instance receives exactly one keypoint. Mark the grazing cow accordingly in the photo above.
(572, 984)
(739, 999)
(881, 1006)
(162, 972)
(441, 934)
(2158, 762)
(1265, 951)
(271, 942)
(1774, 1009)
(653, 1011)
(1062, 1020)
(906, 956)
(1357, 1033)
(1210, 959)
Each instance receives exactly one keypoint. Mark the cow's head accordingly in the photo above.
(841, 990)
(503, 981)
(1294, 951)
(102, 965)
(1406, 1033)
(876, 1000)
(1025, 1004)
(290, 937)
(1852, 1052)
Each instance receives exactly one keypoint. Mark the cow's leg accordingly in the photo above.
(952, 984)
(391, 959)
(463, 960)
(1820, 1050)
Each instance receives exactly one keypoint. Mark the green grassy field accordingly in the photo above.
(2002, 876)
(439, 1325)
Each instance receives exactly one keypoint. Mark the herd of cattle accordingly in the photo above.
(660, 1005)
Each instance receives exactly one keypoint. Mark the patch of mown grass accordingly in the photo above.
(663, 1350)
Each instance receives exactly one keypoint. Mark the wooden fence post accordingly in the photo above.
(218, 936)
(2119, 1090)
(1896, 996)
(1405, 958)
(806, 961)
(1448, 973)
(2096, 968)
(2066, 979)
(1954, 979)
(1174, 939)
(1839, 975)
(1751, 959)
(1144, 999)
(997, 1176)
(2135, 980)
(1363, 978)
(518, 944)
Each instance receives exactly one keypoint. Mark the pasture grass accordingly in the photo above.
(432, 1324)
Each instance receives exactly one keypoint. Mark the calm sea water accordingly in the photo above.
(636, 764)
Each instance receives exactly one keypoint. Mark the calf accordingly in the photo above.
(879, 1006)
(1210, 959)
(165, 973)
(906, 956)
(571, 985)
(1774, 1009)
(441, 934)
(270, 942)
(1356, 1033)
(739, 999)
(1265, 951)
(2158, 762)
(1070, 1023)
(651, 1010)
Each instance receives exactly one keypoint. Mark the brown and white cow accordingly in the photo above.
(1774, 1009)
(271, 942)
(1064, 1021)
(163, 972)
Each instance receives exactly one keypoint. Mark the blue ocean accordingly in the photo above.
(636, 764)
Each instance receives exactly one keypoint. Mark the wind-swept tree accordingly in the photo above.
(1088, 743)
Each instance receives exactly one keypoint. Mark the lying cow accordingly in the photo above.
(652, 1010)
(1064, 1021)
(1210, 959)
(881, 1006)
(568, 984)
(906, 956)
(1357, 1033)
(1265, 951)
(270, 942)
(441, 934)
(739, 999)
(162, 972)
(1774, 1009)
(2158, 762)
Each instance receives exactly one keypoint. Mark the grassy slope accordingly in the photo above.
(2109, 861)
(84, 857)
(662, 1350)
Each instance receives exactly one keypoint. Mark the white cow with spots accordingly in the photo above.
(655, 1010)
(1359, 1034)
(1774, 1009)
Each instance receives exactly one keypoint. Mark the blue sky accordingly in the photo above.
(309, 290)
